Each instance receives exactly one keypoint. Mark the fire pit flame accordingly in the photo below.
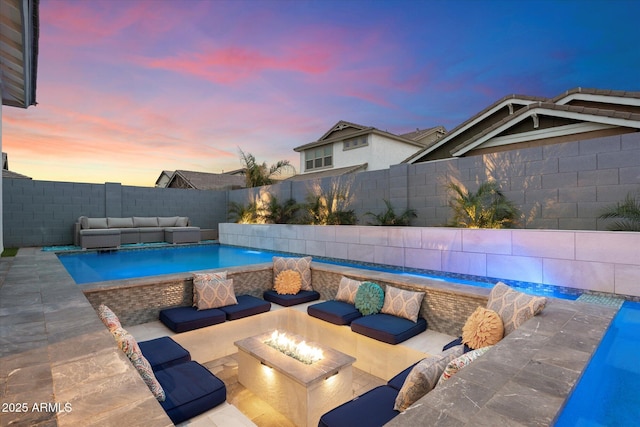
(300, 351)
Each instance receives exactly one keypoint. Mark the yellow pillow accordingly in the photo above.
(484, 327)
(288, 282)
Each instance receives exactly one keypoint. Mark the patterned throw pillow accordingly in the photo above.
(402, 303)
(301, 265)
(514, 307)
(288, 282)
(347, 290)
(484, 327)
(108, 317)
(215, 293)
(423, 378)
(131, 349)
(201, 278)
(369, 298)
(460, 362)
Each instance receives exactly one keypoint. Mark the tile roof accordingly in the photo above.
(328, 173)
(207, 180)
(421, 133)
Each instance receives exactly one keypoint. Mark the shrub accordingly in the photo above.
(389, 216)
(628, 212)
(488, 207)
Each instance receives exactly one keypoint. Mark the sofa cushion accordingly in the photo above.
(454, 343)
(402, 303)
(423, 378)
(167, 221)
(84, 222)
(215, 293)
(514, 307)
(246, 305)
(145, 221)
(289, 300)
(97, 223)
(460, 362)
(336, 312)
(163, 352)
(119, 222)
(347, 290)
(374, 408)
(182, 319)
(200, 279)
(484, 327)
(182, 221)
(301, 265)
(288, 282)
(108, 317)
(397, 381)
(388, 328)
(190, 390)
(369, 298)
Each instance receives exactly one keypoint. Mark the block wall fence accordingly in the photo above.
(591, 260)
(557, 187)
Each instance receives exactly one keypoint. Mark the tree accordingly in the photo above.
(276, 213)
(627, 211)
(389, 216)
(488, 207)
(242, 214)
(257, 174)
(330, 206)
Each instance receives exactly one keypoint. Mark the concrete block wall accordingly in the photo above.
(41, 213)
(591, 260)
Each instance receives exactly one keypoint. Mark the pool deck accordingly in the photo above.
(54, 349)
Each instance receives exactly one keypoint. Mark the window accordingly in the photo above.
(321, 157)
(354, 143)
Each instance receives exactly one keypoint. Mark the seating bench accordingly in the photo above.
(336, 312)
(373, 408)
(183, 319)
(163, 353)
(287, 300)
(388, 328)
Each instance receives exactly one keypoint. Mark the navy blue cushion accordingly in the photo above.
(397, 381)
(182, 319)
(163, 352)
(388, 328)
(190, 389)
(456, 342)
(289, 300)
(336, 312)
(247, 306)
(372, 409)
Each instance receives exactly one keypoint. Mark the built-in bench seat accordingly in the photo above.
(183, 319)
(336, 312)
(388, 328)
(163, 353)
(287, 300)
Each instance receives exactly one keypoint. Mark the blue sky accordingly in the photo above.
(128, 89)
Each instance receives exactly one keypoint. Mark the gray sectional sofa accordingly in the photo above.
(110, 233)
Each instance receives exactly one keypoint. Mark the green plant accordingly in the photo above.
(257, 174)
(329, 206)
(243, 214)
(276, 213)
(8, 252)
(389, 216)
(488, 207)
(628, 211)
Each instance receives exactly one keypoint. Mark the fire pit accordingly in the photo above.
(270, 366)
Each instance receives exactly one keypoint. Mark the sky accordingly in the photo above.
(127, 89)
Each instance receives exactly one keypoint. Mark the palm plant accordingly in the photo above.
(389, 216)
(627, 211)
(276, 213)
(329, 207)
(243, 214)
(488, 207)
(257, 174)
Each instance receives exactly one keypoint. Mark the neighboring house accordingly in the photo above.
(6, 173)
(203, 180)
(349, 147)
(163, 179)
(522, 121)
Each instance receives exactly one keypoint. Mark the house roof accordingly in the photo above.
(166, 174)
(600, 109)
(206, 180)
(419, 134)
(337, 133)
(9, 174)
(19, 35)
(328, 173)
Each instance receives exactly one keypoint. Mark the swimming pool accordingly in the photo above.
(608, 394)
(90, 267)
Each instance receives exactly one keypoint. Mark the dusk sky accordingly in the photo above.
(127, 89)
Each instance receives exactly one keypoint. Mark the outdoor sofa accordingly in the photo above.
(110, 233)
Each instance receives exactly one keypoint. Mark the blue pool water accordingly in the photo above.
(608, 394)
